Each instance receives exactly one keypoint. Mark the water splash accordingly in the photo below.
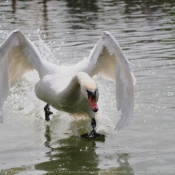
(45, 51)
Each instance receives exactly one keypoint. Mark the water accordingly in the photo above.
(146, 32)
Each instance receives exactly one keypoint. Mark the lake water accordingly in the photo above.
(145, 30)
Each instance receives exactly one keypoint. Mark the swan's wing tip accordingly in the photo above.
(124, 121)
(1, 116)
(134, 80)
(106, 33)
(120, 127)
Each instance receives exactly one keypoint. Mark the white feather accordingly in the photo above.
(17, 56)
(64, 87)
(108, 59)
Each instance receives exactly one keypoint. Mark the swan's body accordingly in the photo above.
(69, 88)
(62, 90)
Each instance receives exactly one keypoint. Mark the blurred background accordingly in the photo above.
(65, 31)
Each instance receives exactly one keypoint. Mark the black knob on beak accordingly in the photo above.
(95, 110)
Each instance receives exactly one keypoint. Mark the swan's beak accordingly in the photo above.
(93, 103)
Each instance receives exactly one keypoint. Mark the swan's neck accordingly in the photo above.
(46, 68)
(85, 81)
(76, 89)
(72, 92)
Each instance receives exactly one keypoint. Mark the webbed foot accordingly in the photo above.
(93, 133)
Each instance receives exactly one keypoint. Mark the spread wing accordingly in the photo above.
(108, 60)
(17, 56)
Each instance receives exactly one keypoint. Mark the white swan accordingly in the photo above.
(69, 88)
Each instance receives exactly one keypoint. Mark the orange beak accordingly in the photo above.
(93, 103)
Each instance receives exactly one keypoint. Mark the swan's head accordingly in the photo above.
(92, 99)
(89, 90)
(91, 94)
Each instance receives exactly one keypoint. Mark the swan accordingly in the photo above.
(69, 88)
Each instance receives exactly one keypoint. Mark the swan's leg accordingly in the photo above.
(93, 123)
(93, 133)
(47, 112)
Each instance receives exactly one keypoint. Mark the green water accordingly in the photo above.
(146, 32)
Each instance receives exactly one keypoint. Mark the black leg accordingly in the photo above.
(47, 112)
(93, 123)
(93, 133)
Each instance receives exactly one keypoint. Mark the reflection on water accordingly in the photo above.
(74, 155)
(13, 6)
(123, 168)
(82, 13)
(146, 32)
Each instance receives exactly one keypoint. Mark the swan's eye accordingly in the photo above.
(91, 94)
